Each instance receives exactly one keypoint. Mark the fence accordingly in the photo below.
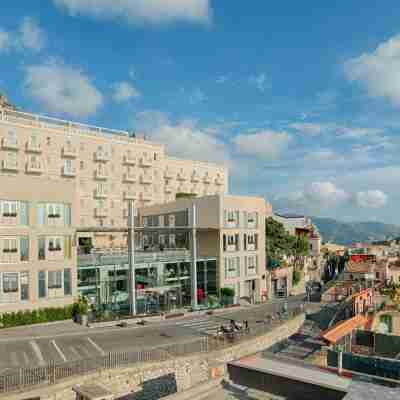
(24, 378)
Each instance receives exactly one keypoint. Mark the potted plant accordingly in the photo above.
(80, 311)
(227, 295)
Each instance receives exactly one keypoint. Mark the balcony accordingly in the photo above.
(207, 179)
(146, 162)
(101, 175)
(131, 178)
(34, 167)
(100, 194)
(195, 178)
(146, 196)
(181, 177)
(168, 189)
(129, 160)
(9, 165)
(101, 212)
(168, 174)
(146, 179)
(130, 195)
(69, 171)
(218, 181)
(101, 156)
(33, 147)
(69, 151)
(9, 144)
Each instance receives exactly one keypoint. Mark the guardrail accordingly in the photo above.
(19, 379)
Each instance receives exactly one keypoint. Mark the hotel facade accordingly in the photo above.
(57, 176)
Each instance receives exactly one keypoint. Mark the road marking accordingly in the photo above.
(26, 358)
(84, 350)
(60, 353)
(38, 353)
(96, 346)
(75, 352)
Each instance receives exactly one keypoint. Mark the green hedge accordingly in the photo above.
(9, 320)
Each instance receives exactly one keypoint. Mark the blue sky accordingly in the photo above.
(300, 101)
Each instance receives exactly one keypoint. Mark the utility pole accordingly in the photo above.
(194, 257)
(131, 257)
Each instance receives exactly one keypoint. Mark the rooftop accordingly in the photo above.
(344, 328)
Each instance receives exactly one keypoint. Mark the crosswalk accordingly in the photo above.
(207, 325)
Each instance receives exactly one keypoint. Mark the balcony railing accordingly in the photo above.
(101, 156)
(9, 144)
(69, 171)
(69, 151)
(129, 160)
(34, 167)
(131, 178)
(33, 147)
(100, 194)
(168, 189)
(101, 212)
(146, 162)
(146, 179)
(101, 175)
(9, 165)
(115, 256)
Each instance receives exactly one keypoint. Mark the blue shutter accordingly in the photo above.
(67, 215)
(24, 248)
(41, 214)
(24, 213)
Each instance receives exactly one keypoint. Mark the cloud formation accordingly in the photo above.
(141, 11)
(62, 89)
(124, 91)
(31, 36)
(378, 71)
(265, 144)
(371, 199)
(184, 139)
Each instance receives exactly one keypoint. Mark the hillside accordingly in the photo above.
(349, 232)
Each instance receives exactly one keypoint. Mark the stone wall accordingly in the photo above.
(151, 381)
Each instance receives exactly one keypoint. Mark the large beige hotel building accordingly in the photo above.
(56, 176)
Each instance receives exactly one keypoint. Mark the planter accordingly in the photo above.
(227, 300)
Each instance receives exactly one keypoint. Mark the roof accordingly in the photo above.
(359, 267)
(344, 328)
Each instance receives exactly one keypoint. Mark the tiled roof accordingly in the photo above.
(359, 267)
(344, 328)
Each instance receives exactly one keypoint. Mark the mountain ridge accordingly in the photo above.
(346, 233)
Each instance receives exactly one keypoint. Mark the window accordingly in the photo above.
(12, 138)
(155, 156)
(81, 165)
(24, 248)
(34, 140)
(9, 208)
(42, 284)
(48, 140)
(42, 248)
(10, 246)
(232, 267)
(24, 281)
(10, 282)
(55, 279)
(67, 282)
(12, 159)
(68, 166)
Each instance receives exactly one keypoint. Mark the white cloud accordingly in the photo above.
(31, 36)
(139, 11)
(184, 139)
(371, 199)
(324, 194)
(378, 71)
(124, 91)
(259, 81)
(5, 41)
(62, 89)
(308, 128)
(264, 144)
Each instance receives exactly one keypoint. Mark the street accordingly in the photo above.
(67, 341)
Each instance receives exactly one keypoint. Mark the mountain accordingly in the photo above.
(346, 233)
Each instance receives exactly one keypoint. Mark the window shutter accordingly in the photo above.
(24, 213)
(67, 215)
(41, 217)
(245, 241)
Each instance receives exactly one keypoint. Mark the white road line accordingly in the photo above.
(96, 346)
(84, 350)
(37, 351)
(26, 358)
(60, 353)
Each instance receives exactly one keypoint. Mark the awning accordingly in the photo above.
(343, 329)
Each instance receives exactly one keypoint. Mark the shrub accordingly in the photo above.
(27, 317)
(296, 277)
(227, 292)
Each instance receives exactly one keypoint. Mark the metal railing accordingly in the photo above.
(19, 379)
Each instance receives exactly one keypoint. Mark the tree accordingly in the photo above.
(394, 294)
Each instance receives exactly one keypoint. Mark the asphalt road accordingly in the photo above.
(68, 342)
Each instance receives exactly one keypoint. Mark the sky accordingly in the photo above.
(299, 100)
